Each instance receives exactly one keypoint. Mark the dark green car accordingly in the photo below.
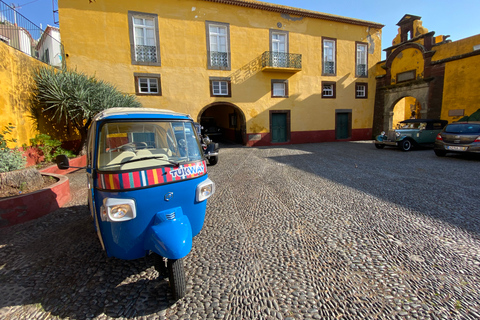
(411, 133)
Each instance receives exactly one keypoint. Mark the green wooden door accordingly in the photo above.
(342, 126)
(279, 127)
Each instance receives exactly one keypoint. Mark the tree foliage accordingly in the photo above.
(473, 117)
(74, 98)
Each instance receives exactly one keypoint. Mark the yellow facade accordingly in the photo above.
(96, 41)
(15, 90)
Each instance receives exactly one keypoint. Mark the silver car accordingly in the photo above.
(460, 137)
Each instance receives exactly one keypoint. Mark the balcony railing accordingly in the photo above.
(329, 67)
(219, 59)
(361, 70)
(22, 34)
(281, 60)
(146, 53)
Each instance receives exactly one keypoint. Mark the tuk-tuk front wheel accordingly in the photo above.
(177, 277)
(160, 265)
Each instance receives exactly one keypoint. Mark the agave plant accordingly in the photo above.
(74, 98)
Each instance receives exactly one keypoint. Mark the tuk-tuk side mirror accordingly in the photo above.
(62, 162)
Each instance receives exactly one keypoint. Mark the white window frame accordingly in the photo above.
(279, 89)
(361, 91)
(361, 59)
(218, 44)
(278, 44)
(218, 36)
(149, 82)
(143, 28)
(329, 55)
(221, 88)
(327, 92)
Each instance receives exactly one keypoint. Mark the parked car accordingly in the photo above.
(411, 133)
(210, 126)
(210, 148)
(460, 137)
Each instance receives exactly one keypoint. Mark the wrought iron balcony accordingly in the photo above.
(218, 59)
(361, 70)
(146, 53)
(329, 67)
(281, 61)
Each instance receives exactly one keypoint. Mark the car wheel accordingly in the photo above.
(213, 160)
(379, 146)
(440, 153)
(406, 145)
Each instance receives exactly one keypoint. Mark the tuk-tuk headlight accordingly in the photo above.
(205, 190)
(116, 210)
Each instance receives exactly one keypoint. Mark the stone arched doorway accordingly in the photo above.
(226, 120)
(414, 97)
(406, 108)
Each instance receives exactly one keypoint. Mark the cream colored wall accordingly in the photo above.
(96, 39)
(15, 90)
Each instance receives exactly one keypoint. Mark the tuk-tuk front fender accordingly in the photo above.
(170, 235)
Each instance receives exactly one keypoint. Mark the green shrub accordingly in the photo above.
(10, 159)
(50, 147)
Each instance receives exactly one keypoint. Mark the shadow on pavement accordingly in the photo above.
(56, 265)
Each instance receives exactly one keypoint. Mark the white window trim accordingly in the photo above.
(330, 91)
(149, 85)
(280, 90)
(132, 15)
(361, 90)
(218, 59)
(362, 58)
(218, 36)
(220, 91)
(327, 57)
(285, 43)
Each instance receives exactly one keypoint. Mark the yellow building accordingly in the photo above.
(263, 73)
(425, 76)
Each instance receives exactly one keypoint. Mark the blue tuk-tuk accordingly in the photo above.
(148, 182)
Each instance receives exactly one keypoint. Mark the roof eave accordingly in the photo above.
(297, 12)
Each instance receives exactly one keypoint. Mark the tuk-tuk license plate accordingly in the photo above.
(455, 148)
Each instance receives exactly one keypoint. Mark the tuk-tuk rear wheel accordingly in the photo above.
(177, 277)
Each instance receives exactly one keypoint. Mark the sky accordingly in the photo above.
(457, 18)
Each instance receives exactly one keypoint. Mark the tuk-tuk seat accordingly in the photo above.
(118, 160)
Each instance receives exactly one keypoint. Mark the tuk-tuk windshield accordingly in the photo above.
(138, 145)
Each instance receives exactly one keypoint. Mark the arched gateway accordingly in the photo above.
(224, 121)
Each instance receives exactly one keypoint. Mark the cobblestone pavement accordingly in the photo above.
(313, 231)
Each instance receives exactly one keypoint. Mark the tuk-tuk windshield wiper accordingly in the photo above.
(174, 163)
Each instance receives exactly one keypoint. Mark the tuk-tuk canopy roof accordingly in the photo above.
(140, 113)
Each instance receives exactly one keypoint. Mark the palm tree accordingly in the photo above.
(73, 98)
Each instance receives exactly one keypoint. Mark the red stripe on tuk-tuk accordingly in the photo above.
(126, 181)
(136, 179)
(116, 181)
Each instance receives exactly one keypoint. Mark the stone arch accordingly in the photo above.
(223, 111)
(392, 96)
